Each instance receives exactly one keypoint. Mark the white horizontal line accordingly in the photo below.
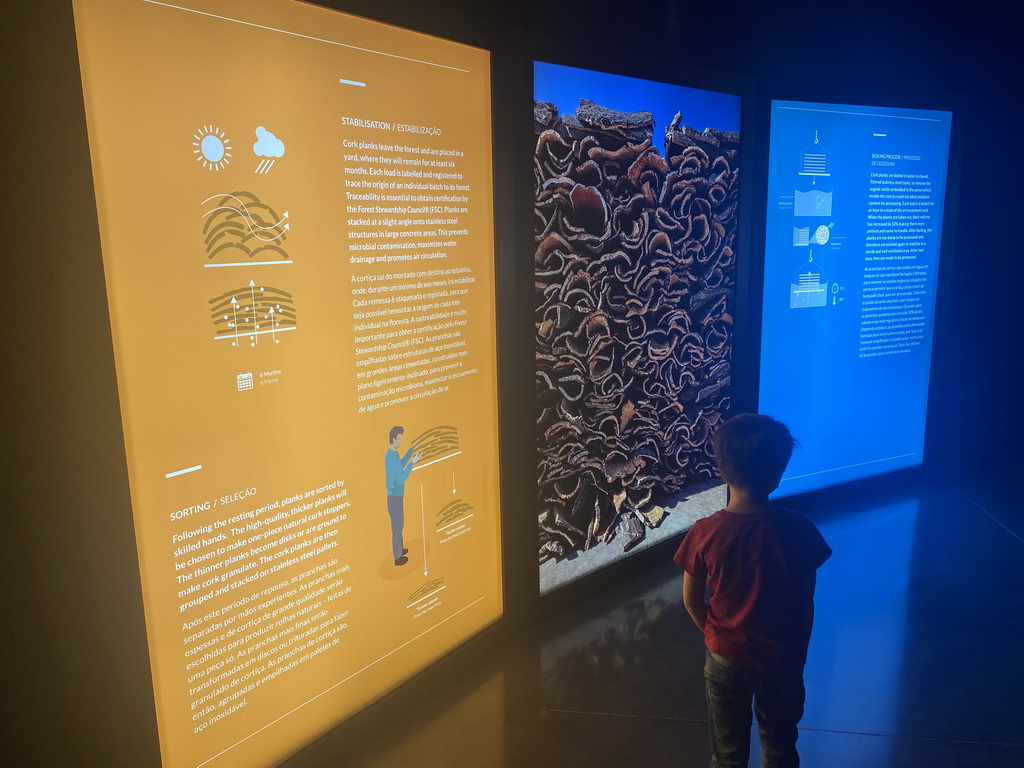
(258, 333)
(307, 37)
(864, 114)
(184, 471)
(249, 263)
(417, 602)
(849, 466)
(460, 520)
(351, 82)
(421, 466)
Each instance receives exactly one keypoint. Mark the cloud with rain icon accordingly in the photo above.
(268, 147)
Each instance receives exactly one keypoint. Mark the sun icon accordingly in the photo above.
(212, 147)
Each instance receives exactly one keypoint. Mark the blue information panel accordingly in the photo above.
(855, 201)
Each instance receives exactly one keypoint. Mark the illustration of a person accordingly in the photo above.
(396, 471)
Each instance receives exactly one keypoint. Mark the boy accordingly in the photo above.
(759, 562)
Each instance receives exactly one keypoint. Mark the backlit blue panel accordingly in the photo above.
(855, 200)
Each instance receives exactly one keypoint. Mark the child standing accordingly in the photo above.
(758, 562)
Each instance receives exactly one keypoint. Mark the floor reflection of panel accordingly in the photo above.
(476, 739)
(894, 676)
(859, 638)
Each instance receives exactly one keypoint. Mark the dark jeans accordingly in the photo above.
(396, 510)
(778, 703)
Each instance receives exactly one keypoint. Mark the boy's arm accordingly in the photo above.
(808, 581)
(694, 588)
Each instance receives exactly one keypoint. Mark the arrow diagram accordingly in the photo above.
(284, 229)
(249, 218)
(453, 481)
(423, 528)
(234, 321)
(255, 325)
(240, 224)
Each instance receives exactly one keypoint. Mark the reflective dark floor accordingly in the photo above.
(916, 658)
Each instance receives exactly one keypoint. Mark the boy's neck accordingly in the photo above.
(744, 502)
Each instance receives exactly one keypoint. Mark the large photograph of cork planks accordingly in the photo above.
(635, 266)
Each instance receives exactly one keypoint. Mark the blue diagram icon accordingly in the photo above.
(813, 202)
(212, 147)
(814, 160)
(268, 147)
(810, 289)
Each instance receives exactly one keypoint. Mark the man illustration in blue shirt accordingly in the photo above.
(396, 470)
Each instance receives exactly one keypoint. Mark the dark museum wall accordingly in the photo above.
(77, 687)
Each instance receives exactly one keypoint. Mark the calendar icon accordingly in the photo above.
(244, 381)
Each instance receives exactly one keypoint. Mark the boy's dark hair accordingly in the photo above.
(752, 451)
(395, 432)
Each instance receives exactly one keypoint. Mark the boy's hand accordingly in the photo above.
(694, 588)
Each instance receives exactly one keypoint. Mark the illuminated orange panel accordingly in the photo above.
(296, 217)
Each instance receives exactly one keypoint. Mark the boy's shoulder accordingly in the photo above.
(770, 514)
(712, 522)
(795, 519)
(785, 522)
(790, 516)
(713, 538)
(789, 521)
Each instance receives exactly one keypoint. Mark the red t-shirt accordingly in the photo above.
(758, 567)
